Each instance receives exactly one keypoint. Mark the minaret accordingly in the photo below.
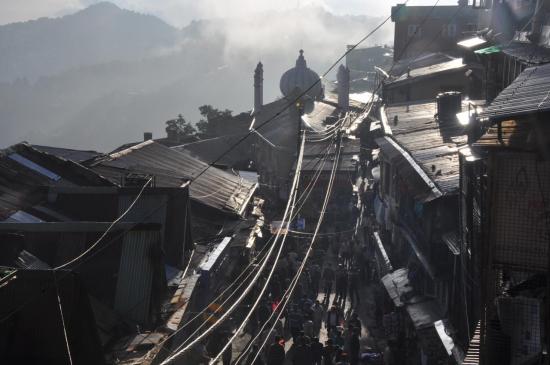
(258, 87)
(343, 87)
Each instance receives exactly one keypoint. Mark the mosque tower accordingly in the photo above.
(303, 78)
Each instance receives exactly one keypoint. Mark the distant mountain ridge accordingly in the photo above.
(100, 33)
(113, 74)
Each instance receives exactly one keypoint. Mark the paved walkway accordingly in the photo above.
(370, 335)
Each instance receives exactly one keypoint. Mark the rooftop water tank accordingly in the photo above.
(449, 104)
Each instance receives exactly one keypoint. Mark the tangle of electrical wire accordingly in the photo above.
(288, 293)
(291, 200)
(303, 197)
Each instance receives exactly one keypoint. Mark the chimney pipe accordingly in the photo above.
(147, 136)
(343, 78)
(449, 104)
(258, 87)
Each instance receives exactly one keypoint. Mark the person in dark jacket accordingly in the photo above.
(354, 283)
(315, 275)
(328, 280)
(295, 321)
(276, 353)
(329, 351)
(354, 322)
(316, 351)
(302, 353)
(341, 285)
(253, 352)
(333, 319)
(354, 348)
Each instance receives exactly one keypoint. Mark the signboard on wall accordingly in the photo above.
(520, 211)
(277, 226)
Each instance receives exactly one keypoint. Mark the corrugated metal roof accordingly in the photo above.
(432, 70)
(68, 153)
(27, 260)
(48, 169)
(398, 286)
(315, 152)
(210, 150)
(316, 117)
(356, 100)
(528, 53)
(136, 274)
(472, 42)
(423, 60)
(529, 93)
(21, 177)
(211, 260)
(215, 188)
(424, 313)
(381, 251)
(281, 131)
(432, 146)
(421, 186)
(513, 134)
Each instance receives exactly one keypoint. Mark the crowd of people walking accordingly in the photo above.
(321, 324)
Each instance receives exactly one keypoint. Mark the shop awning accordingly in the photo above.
(472, 42)
(527, 94)
(398, 286)
(406, 232)
(381, 253)
(424, 313)
(488, 50)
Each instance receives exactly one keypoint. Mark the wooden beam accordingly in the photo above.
(75, 227)
(84, 189)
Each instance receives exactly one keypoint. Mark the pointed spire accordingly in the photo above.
(258, 87)
(301, 61)
(259, 68)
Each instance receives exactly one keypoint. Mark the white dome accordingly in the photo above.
(303, 78)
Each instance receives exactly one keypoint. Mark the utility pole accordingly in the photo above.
(300, 110)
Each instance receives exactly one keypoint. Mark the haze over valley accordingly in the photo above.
(102, 76)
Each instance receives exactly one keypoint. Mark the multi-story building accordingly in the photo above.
(425, 29)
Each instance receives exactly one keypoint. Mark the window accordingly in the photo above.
(414, 30)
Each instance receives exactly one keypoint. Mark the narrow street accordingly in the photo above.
(240, 182)
(371, 336)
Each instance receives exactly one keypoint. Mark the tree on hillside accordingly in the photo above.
(208, 126)
(179, 130)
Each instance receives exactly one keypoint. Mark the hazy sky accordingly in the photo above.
(180, 12)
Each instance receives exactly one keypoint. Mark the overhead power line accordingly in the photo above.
(62, 320)
(296, 99)
(303, 197)
(260, 270)
(94, 245)
(292, 286)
